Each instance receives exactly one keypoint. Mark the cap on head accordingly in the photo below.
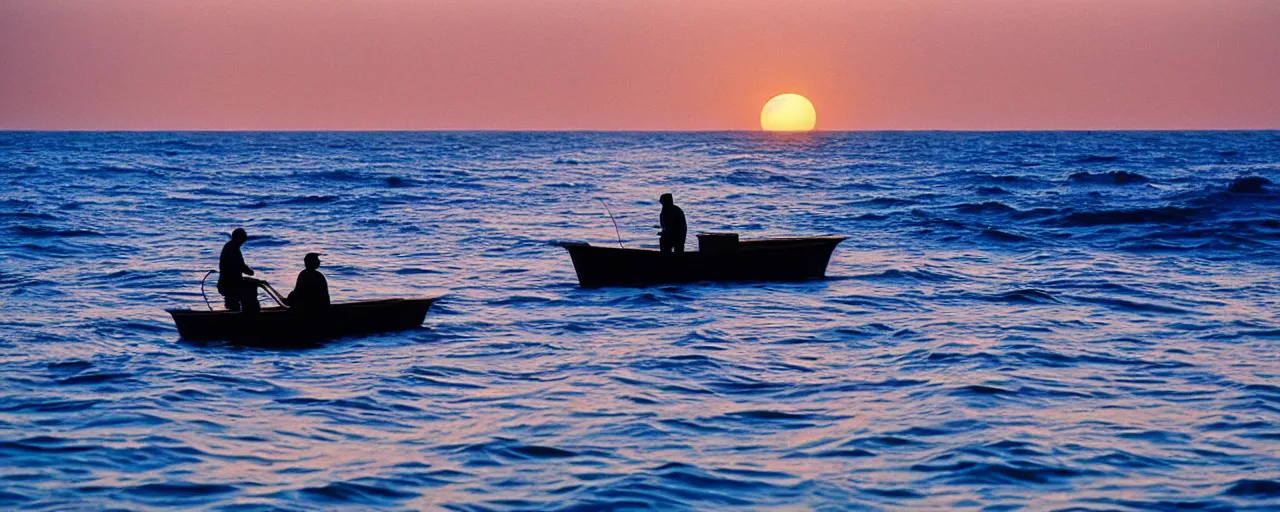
(665, 199)
(239, 235)
(311, 260)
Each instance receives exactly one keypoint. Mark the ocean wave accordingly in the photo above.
(1160, 215)
(1112, 177)
(1023, 296)
(1017, 472)
(118, 169)
(172, 492)
(920, 275)
(1005, 179)
(1132, 305)
(312, 199)
(882, 202)
(1004, 236)
(985, 207)
(340, 175)
(754, 177)
(50, 232)
(1249, 185)
(1254, 489)
(368, 491)
(400, 182)
(1098, 159)
(29, 215)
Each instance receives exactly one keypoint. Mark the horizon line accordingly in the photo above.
(783, 133)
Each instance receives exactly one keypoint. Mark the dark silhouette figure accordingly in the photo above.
(674, 229)
(311, 292)
(241, 293)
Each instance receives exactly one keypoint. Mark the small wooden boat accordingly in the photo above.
(721, 257)
(279, 325)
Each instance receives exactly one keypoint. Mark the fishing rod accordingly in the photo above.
(615, 222)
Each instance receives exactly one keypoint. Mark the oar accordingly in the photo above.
(271, 292)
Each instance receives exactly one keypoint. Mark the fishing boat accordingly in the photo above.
(284, 325)
(720, 257)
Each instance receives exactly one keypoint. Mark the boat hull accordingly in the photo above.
(279, 325)
(780, 259)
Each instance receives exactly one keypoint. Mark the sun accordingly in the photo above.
(788, 113)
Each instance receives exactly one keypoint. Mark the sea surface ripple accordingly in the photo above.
(1040, 321)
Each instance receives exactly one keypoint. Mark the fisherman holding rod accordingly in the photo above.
(674, 228)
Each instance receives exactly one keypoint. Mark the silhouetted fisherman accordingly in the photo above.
(241, 293)
(674, 229)
(311, 292)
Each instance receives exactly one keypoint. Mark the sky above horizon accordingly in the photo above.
(637, 64)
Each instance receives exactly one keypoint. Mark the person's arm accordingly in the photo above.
(324, 290)
(296, 294)
(244, 269)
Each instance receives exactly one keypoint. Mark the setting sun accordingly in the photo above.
(788, 113)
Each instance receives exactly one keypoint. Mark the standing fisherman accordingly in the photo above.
(241, 293)
(673, 226)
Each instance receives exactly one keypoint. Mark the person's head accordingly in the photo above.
(311, 260)
(665, 200)
(239, 236)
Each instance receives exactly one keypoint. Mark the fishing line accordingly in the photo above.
(615, 222)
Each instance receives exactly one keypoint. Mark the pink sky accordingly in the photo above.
(637, 64)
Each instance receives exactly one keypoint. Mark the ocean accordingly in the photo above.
(1039, 321)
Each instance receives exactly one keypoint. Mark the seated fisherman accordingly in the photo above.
(311, 292)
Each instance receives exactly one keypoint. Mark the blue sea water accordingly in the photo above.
(1039, 321)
